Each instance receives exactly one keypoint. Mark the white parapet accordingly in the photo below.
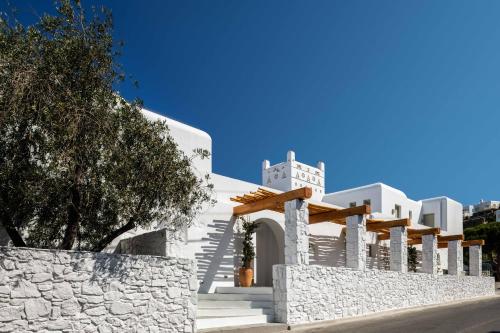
(399, 249)
(296, 232)
(310, 293)
(356, 242)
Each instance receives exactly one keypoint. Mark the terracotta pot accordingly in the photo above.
(246, 277)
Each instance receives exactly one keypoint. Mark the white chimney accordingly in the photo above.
(290, 156)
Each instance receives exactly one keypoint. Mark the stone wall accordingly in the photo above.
(305, 293)
(48, 290)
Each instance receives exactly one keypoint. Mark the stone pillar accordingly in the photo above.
(356, 242)
(429, 254)
(296, 232)
(475, 260)
(399, 249)
(455, 257)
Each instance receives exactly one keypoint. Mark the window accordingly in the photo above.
(367, 202)
(410, 215)
(428, 220)
(352, 204)
(397, 211)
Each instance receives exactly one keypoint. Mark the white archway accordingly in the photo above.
(270, 250)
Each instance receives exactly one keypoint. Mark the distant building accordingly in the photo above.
(468, 211)
(497, 213)
(486, 205)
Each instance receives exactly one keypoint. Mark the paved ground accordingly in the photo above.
(478, 316)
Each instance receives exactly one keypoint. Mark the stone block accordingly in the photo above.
(25, 289)
(120, 308)
(62, 291)
(35, 308)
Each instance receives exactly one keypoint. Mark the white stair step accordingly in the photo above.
(235, 304)
(235, 297)
(202, 323)
(205, 313)
(244, 290)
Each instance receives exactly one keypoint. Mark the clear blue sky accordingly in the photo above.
(402, 92)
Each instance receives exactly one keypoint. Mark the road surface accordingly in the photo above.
(477, 316)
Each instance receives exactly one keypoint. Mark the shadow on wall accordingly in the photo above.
(216, 262)
(327, 250)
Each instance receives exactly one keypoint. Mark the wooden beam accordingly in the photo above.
(443, 245)
(374, 220)
(427, 231)
(383, 236)
(339, 214)
(388, 224)
(415, 241)
(272, 202)
(468, 243)
(450, 238)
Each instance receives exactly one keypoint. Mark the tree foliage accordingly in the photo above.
(412, 259)
(490, 232)
(80, 166)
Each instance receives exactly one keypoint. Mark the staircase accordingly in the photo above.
(235, 306)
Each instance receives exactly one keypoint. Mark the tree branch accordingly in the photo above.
(109, 238)
(123, 229)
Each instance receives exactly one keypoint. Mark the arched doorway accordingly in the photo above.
(269, 251)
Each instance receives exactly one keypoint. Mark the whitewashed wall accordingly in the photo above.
(307, 293)
(48, 290)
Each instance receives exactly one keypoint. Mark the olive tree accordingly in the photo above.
(79, 165)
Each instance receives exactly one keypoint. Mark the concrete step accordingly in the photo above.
(223, 313)
(206, 304)
(204, 323)
(243, 290)
(235, 297)
(253, 328)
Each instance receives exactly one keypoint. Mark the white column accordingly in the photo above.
(296, 232)
(356, 242)
(429, 254)
(399, 249)
(475, 260)
(455, 257)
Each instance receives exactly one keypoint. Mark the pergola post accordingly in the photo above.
(296, 232)
(399, 249)
(356, 242)
(475, 260)
(429, 254)
(455, 257)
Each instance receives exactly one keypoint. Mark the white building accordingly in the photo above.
(211, 241)
(468, 211)
(486, 205)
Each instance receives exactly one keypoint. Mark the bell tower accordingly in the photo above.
(290, 175)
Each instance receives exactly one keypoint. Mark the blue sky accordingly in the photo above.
(402, 92)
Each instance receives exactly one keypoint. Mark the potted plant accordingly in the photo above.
(246, 271)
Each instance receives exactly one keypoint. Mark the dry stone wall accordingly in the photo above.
(68, 291)
(305, 293)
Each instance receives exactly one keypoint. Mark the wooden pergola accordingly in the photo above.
(319, 212)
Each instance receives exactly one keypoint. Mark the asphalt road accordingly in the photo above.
(479, 316)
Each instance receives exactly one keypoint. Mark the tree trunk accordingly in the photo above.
(14, 235)
(73, 212)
